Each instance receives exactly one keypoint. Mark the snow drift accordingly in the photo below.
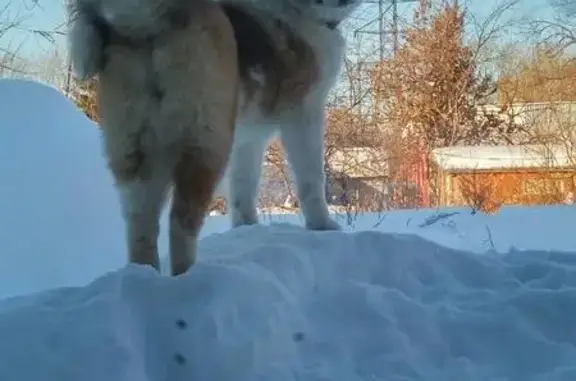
(60, 216)
(282, 303)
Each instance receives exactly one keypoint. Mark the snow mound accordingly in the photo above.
(61, 222)
(281, 303)
(535, 227)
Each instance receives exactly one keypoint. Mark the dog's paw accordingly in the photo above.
(323, 225)
(242, 215)
(237, 222)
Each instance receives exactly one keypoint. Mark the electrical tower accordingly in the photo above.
(385, 7)
(392, 6)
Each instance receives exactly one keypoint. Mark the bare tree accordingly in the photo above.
(547, 75)
(13, 17)
(51, 67)
(567, 7)
(10, 63)
(561, 29)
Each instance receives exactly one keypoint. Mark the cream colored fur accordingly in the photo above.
(168, 85)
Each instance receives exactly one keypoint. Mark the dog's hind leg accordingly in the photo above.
(196, 176)
(303, 139)
(142, 202)
(244, 172)
(199, 70)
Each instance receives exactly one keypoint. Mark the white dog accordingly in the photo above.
(290, 56)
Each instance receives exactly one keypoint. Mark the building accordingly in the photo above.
(358, 176)
(531, 174)
(355, 175)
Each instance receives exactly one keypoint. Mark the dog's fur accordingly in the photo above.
(168, 85)
(290, 54)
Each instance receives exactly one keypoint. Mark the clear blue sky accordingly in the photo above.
(50, 14)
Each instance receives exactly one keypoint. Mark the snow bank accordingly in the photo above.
(547, 227)
(61, 224)
(281, 303)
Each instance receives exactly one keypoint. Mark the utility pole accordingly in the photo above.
(384, 7)
(69, 64)
(381, 28)
(68, 77)
(395, 25)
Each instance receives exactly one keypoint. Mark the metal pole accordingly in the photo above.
(69, 68)
(68, 77)
(381, 28)
(395, 30)
(395, 24)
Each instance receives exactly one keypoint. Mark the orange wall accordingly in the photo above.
(524, 187)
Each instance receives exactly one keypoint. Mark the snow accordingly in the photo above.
(409, 295)
(502, 157)
(55, 186)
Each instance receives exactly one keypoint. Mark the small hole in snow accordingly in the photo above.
(181, 324)
(180, 359)
(298, 336)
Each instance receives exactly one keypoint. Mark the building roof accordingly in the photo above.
(503, 157)
(359, 162)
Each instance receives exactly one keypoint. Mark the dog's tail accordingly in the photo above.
(85, 42)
